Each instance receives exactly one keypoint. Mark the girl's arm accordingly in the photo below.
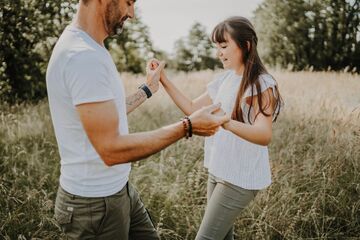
(186, 105)
(260, 131)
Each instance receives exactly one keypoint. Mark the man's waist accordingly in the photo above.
(88, 183)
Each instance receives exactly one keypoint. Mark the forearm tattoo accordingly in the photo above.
(135, 100)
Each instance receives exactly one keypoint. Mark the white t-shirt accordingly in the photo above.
(82, 71)
(228, 156)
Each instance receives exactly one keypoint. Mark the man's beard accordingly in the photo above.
(117, 27)
(113, 21)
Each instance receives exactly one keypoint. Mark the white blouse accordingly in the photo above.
(228, 156)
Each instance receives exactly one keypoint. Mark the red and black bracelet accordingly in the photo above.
(190, 126)
(187, 127)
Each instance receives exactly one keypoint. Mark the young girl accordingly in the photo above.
(237, 155)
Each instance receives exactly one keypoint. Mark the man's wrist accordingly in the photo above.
(188, 130)
(146, 90)
(143, 93)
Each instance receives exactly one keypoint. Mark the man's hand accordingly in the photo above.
(153, 75)
(221, 112)
(205, 121)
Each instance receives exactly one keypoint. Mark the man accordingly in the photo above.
(89, 113)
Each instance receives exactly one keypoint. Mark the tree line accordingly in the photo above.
(296, 35)
(310, 34)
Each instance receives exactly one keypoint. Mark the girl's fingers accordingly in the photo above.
(152, 64)
(160, 67)
(156, 63)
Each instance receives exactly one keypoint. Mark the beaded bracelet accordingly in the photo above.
(186, 128)
(190, 126)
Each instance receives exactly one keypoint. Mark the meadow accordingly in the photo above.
(315, 159)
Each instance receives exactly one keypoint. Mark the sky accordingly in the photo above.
(169, 20)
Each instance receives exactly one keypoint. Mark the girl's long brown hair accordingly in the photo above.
(243, 33)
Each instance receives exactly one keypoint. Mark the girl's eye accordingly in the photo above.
(129, 3)
(224, 46)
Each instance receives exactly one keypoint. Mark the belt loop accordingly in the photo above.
(67, 194)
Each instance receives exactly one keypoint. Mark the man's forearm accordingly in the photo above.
(135, 100)
(133, 147)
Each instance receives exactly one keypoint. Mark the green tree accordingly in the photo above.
(196, 51)
(28, 30)
(300, 34)
(132, 47)
(183, 56)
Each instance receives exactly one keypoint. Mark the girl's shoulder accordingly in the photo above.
(214, 85)
(220, 76)
(266, 80)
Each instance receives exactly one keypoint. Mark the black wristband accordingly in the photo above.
(146, 90)
(190, 126)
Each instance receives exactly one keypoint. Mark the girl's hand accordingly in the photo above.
(221, 112)
(154, 63)
(153, 76)
(205, 121)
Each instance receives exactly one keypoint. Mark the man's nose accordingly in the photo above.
(131, 13)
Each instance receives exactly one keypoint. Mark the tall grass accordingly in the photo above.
(315, 157)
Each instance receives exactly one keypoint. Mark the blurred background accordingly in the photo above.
(296, 35)
(311, 47)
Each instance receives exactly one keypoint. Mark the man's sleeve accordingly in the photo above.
(87, 79)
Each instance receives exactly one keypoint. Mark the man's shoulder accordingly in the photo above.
(76, 57)
(73, 46)
(84, 55)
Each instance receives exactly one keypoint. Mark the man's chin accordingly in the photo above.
(120, 27)
(115, 31)
(118, 30)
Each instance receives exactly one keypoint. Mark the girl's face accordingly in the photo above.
(230, 54)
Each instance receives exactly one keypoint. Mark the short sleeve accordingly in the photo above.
(214, 85)
(87, 79)
(266, 81)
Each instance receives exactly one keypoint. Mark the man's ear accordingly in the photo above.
(101, 1)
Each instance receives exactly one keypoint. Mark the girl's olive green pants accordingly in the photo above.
(225, 203)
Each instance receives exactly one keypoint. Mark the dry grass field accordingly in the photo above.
(315, 158)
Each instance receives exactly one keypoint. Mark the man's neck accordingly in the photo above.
(89, 19)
